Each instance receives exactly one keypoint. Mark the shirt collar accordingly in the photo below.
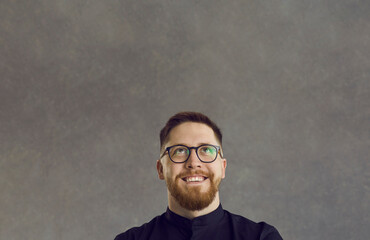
(209, 219)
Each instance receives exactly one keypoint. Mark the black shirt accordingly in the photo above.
(217, 225)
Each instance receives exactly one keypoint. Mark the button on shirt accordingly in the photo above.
(217, 225)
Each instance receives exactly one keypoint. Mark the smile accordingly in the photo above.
(194, 179)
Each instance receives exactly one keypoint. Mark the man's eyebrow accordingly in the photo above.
(205, 144)
(199, 144)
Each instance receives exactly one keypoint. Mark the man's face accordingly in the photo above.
(192, 184)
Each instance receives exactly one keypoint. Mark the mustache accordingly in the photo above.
(196, 172)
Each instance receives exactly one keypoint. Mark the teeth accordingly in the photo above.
(194, 179)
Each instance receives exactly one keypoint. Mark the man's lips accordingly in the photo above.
(194, 178)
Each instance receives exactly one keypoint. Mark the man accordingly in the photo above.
(192, 165)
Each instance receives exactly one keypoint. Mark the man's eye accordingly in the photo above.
(180, 151)
(205, 149)
(208, 150)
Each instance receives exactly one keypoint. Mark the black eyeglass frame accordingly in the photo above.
(167, 150)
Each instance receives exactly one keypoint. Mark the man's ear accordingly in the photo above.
(224, 165)
(160, 169)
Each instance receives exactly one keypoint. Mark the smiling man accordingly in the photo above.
(192, 165)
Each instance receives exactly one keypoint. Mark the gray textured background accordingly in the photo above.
(87, 85)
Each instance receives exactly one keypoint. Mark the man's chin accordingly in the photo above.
(194, 197)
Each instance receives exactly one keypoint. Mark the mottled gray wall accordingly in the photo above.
(87, 85)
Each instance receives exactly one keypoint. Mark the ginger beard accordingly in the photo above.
(191, 197)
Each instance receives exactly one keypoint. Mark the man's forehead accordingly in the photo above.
(192, 133)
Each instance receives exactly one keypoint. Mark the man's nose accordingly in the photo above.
(193, 161)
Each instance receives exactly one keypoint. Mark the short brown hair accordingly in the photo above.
(183, 117)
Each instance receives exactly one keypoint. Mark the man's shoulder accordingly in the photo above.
(139, 232)
(264, 230)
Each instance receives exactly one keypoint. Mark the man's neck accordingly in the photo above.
(176, 208)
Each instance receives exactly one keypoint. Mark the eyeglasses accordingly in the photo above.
(206, 153)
